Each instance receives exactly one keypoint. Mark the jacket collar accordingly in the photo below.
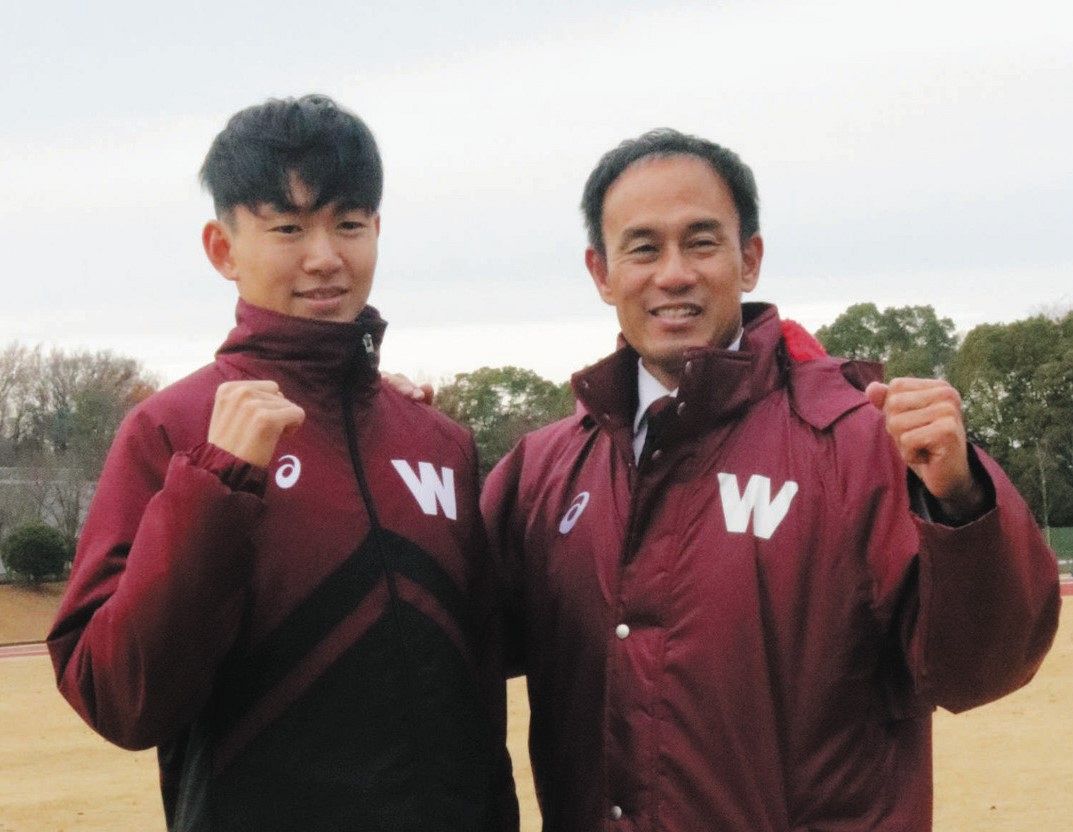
(716, 385)
(309, 352)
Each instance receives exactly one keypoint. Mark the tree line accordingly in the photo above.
(1015, 380)
(59, 410)
(58, 413)
(1016, 383)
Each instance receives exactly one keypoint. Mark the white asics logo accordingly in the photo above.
(574, 512)
(756, 502)
(288, 473)
(431, 488)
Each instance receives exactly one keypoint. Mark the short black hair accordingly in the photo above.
(662, 143)
(329, 149)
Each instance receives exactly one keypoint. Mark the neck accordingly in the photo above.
(669, 377)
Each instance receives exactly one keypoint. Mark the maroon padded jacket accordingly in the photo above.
(310, 647)
(750, 629)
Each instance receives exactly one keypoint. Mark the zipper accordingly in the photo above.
(376, 531)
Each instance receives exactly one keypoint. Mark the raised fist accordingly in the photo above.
(924, 418)
(249, 417)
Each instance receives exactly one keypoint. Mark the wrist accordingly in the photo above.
(234, 472)
(965, 505)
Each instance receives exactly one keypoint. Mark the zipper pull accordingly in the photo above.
(367, 340)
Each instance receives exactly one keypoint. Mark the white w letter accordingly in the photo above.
(429, 489)
(755, 502)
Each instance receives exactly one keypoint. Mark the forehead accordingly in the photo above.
(662, 192)
(301, 195)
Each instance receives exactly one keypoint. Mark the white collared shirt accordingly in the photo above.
(648, 390)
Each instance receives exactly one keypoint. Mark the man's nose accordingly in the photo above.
(674, 272)
(321, 254)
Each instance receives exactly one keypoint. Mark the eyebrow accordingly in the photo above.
(642, 232)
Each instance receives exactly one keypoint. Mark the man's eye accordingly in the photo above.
(644, 248)
(287, 228)
(351, 225)
(703, 242)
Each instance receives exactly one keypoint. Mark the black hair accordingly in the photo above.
(662, 143)
(329, 149)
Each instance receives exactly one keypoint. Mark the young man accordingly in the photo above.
(282, 582)
(732, 611)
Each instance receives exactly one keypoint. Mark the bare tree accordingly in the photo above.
(58, 414)
(19, 367)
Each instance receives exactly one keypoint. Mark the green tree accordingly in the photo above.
(35, 552)
(500, 404)
(909, 340)
(1016, 381)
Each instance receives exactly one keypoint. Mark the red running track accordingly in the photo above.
(14, 651)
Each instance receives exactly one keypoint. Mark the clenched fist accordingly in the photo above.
(924, 418)
(249, 417)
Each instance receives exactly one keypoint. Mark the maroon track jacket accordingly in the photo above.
(750, 630)
(312, 647)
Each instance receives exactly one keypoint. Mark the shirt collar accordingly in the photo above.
(649, 388)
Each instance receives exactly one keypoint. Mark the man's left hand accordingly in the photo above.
(924, 418)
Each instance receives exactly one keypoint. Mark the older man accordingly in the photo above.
(741, 584)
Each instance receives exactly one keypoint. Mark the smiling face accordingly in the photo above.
(301, 262)
(675, 268)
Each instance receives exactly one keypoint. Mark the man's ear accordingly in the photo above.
(216, 240)
(752, 252)
(596, 263)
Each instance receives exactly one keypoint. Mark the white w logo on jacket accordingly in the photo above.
(431, 488)
(756, 502)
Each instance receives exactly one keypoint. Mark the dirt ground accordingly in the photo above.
(1007, 767)
(27, 611)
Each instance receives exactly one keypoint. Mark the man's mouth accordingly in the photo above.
(322, 293)
(676, 311)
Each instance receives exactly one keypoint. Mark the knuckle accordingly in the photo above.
(225, 391)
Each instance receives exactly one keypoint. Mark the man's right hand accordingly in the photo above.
(249, 417)
(402, 384)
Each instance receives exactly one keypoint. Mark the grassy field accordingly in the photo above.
(1006, 767)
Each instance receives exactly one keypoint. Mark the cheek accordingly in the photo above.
(363, 260)
(631, 315)
(272, 268)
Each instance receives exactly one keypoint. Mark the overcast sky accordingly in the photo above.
(906, 153)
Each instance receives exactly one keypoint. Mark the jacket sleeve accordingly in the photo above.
(504, 520)
(971, 610)
(156, 591)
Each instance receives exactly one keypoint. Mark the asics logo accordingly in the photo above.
(574, 512)
(288, 473)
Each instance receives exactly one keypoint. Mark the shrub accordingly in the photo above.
(35, 552)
